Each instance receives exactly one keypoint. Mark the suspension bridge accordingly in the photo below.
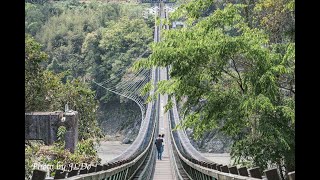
(181, 160)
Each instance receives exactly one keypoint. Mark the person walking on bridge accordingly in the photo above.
(158, 143)
(162, 148)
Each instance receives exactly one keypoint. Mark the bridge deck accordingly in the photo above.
(163, 169)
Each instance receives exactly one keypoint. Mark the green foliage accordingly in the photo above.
(60, 136)
(74, 52)
(123, 42)
(33, 18)
(277, 17)
(34, 91)
(86, 148)
(147, 88)
(56, 156)
(45, 91)
(232, 77)
(107, 38)
(80, 98)
(31, 149)
(37, 14)
(63, 35)
(36, 1)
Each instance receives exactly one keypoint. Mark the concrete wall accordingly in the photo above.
(71, 123)
(44, 126)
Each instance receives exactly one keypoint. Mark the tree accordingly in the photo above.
(277, 17)
(81, 98)
(122, 43)
(45, 91)
(78, 45)
(232, 78)
(33, 18)
(34, 91)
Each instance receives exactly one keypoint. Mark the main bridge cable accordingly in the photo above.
(142, 137)
(126, 88)
(132, 96)
(129, 96)
(133, 99)
(135, 149)
(146, 117)
(128, 83)
(137, 145)
(121, 70)
(131, 89)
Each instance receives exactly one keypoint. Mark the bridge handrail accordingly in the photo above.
(208, 168)
(137, 143)
(151, 161)
(118, 169)
(115, 170)
(185, 142)
(132, 156)
(176, 173)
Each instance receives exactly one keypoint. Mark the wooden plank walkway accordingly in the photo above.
(163, 169)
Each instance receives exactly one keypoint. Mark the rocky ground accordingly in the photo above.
(220, 158)
(110, 149)
(212, 142)
(120, 121)
(213, 146)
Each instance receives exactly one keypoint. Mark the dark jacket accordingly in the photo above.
(159, 142)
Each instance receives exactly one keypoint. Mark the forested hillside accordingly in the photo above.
(106, 40)
(70, 43)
